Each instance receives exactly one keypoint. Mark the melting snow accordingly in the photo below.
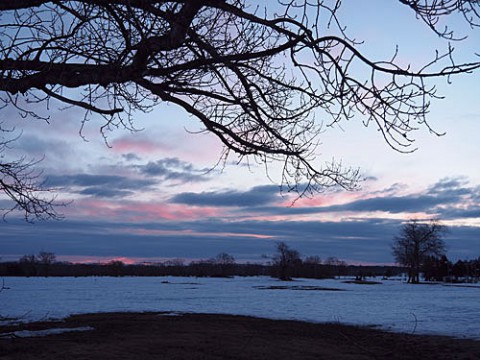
(392, 305)
(46, 332)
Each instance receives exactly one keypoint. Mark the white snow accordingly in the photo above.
(393, 305)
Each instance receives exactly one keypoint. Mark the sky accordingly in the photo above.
(156, 193)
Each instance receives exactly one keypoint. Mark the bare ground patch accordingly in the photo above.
(202, 336)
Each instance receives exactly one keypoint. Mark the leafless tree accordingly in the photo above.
(225, 263)
(175, 262)
(46, 259)
(28, 264)
(21, 182)
(335, 266)
(28, 259)
(253, 77)
(415, 242)
(224, 258)
(284, 260)
(431, 12)
(116, 267)
(314, 260)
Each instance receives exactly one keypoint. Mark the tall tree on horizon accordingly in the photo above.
(284, 261)
(415, 242)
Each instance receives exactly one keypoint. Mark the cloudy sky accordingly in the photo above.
(156, 193)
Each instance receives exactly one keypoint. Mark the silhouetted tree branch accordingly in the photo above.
(431, 12)
(253, 78)
(21, 183)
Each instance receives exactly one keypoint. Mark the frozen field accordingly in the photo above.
(393, 305)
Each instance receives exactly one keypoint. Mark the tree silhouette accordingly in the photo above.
(46, 259)
(254, 78)
(225, 263)
(21, 183)
(415, 243)
(436, 268)
(28, 265)
(285, 260)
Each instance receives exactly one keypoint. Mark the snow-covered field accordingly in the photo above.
(393, 305)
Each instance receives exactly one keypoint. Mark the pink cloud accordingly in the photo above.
(190, 147)
(322, 200)
(138, 145)
(140, 211)
(93, 209)
(154, 211)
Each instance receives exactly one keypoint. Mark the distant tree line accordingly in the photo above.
(40, 264)
(284, 264)
(175, 267)
(442, 269)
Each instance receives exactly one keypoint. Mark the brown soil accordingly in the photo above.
(200, 336)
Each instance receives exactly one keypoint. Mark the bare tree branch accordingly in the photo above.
(258, 80)
(21, 183)
(430, 11)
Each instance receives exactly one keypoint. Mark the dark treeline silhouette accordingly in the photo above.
(201, 268)
(285, 264)
(330, 268)
(442, 269)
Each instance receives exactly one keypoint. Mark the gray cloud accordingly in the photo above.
(131, 157)
(110, 186)
(442, 198)
(99, 185)
(98, 191)
(367, 240)
(470, 212)
(448, 184)
(257, 196)
(443, 201)
(36, 147)
(364, 239)
(394, 204)
(173, 169)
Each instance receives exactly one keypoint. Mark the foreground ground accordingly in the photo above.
(199, 336)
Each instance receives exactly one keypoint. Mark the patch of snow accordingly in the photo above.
(392, 305)
(172, 313)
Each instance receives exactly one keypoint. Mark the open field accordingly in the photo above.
(391, 305)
